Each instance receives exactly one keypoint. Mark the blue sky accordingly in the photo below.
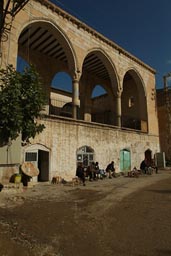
(140, 27)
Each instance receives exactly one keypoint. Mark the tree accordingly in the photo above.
(12, 7)
(21, 102)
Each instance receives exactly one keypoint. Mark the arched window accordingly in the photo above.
(85, 155)
(62, 81)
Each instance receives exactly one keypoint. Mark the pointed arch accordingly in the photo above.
(137, 77)
(105, 64)
(98, 69)
(134, 102)
(46, 29)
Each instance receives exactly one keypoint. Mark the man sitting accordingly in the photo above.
(111, 170)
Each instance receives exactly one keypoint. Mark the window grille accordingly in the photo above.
(31, 157)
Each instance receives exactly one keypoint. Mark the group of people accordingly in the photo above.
(147, 166)
(93, 172)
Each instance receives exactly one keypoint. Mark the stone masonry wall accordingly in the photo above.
(65, 137)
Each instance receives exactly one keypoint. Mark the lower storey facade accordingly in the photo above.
(65, 142)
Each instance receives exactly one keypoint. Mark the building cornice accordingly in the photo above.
(93, 32)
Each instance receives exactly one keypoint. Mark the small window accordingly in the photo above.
(31, 157)
(131, 102)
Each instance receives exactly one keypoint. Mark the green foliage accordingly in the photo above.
(21, 102)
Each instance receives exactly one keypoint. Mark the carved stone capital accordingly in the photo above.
(77, 76)
(118, 93)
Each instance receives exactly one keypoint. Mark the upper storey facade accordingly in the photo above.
(54, 41)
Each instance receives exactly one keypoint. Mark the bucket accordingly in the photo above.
(17, 178)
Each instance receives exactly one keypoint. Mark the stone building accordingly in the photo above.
(120, 125)
(164, 117)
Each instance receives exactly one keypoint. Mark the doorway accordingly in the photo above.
(40, 158)
(125, 160)
(43, 165)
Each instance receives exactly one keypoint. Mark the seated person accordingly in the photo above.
(91, 171)
(102, 173)
(153, 165)
(80, 173)
(97, 170)
(134, 173)
(143, 167)
(147, 166)
(111, 170)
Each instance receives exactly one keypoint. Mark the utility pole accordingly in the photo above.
(167, 91)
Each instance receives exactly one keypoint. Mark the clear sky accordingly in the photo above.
(143, 28)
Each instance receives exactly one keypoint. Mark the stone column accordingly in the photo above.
(75, 97)
(118, 109)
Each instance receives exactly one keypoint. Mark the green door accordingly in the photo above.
(125, 160)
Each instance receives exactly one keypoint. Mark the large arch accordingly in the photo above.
(98, 69)
(40, 33)
(106, 69)
(43, 44)
(134, 102)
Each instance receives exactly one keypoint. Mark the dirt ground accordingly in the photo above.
(117, 217)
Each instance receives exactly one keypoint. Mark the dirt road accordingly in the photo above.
(117, 217)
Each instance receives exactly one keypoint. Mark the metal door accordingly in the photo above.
(125, 160)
